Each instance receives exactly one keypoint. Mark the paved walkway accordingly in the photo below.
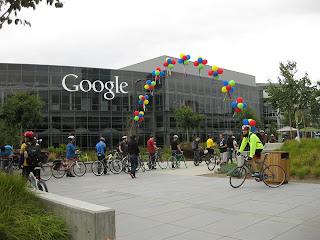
(174, 204)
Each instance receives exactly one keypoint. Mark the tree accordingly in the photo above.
(247, 113)
(187, 119)
(22, 110)
(9, 135)
(7, 7)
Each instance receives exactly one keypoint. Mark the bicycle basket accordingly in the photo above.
(56, 164)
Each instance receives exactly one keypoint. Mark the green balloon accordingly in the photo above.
(216, 77)
(186, 62)
(136, 118)
(153, 83)
(170, 66)
(232, 83)
(200, 66)
(240, 105)
(157, 72)
(140, 97)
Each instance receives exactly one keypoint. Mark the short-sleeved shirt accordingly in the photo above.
(221, 143)
(209, 143)
(124, 147)
(100, 147)
(174, 145)
(150, 146)
(7, 152)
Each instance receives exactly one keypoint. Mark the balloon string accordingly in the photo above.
(229, 94)
(184, 67)
(234, 114)
(225, 97)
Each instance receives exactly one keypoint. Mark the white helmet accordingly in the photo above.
(71, 137)
(175, 136)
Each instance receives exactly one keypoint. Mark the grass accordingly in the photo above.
(22, 215)
(304, 157)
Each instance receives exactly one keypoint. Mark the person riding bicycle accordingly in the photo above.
(6, 152)
(70, 154)
(256, 148)
(28, 166)
(152, 147)
(123, 146)
(101, 149)
(196, 151)
(174, 147)
(210, 145)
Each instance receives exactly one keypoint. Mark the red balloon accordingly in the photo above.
(158, 77)
(143, 98)
(184, 57)
(196, 63)
(141, 119)
(220, 71)
(151, 87)
(228, 87)
(165, 64)
(238, 110)
(239, 100)
(210, 73)
(204, 61)
(173, 62)
(136, 113)
(252, 123)
(158, 69)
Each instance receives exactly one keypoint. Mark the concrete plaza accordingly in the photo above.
(177, 204)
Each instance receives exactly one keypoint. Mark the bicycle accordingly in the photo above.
(211, 160)
(107, 163)
(273, 175)
(175, 161)
(158, 159)
(60, 167)
(12, 166)
(36, 181)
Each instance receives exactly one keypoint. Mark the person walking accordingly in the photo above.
(151, 146)
(133, 150)
(174, 147)
(101, 149)
(223, 149)
(196, 151)
(230, 147)
(70, 154)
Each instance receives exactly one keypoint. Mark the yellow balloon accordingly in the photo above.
(146, 102)
(141, 113)
(249, 120)
(214, 68)
(224, 89)
(167, 59)
(181, 55)
(146, 86)
(199, 57)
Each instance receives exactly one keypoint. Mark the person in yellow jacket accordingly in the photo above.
(256, 148)
(210, 145)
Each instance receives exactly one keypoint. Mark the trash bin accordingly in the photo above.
(4, 163)
(282, 159)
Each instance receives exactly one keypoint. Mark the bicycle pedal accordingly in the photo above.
(258, 179)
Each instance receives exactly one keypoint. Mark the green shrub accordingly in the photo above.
(293, 170)
(51, 149)
(228, 168)
(302, 172)
(22, 215)
(316, 172)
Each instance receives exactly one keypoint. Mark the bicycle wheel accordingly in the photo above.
(238, 176)
(172, 162)
(42, 186)
(116, 166)
(141, 165)
(273, 176)
(97, 168)
(162, 162)
(59, 170)
(147, 164)
(211, 162)
(79, 169)
(45, 172)
(126, 166)
(196, 161)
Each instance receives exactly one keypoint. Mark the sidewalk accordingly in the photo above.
(176, 204)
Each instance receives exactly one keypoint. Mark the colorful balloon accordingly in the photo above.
(225, 83)
(220, 71)
(136, 118)
(153, 83)
(181, 55)
(136, 113)
(196, 63)
(245, 122)
(146, 86)
(240, 105)
(234, 104)
(239, 100)
(228, 87)
(165, 64)
(232, 83)
(214, 68)
(223, 89)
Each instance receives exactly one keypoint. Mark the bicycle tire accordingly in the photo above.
(97, 168)
(116, 166)
(172, 162)
(211, 163)
(127, 166)
(238, 176)
(147, 164)
(79, 169)
(278, 175)
(142, 166)
(42, 186)
(195, 162)
(45, 172)
(162, 162)
(60, 171)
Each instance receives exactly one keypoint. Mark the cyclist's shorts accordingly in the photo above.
(258, 154)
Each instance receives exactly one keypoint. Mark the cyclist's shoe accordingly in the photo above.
(256, 175)
(132, 175)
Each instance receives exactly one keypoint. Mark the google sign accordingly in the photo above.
(97, 86)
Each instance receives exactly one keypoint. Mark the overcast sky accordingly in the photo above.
(249, 36)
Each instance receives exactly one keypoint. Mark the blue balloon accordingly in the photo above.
(153, 73)
(188, 57)
(169, 61)
(253, 129)
(244, 104)
(215, 73)
(181, 60)
(245, 122)
(161, 73)
(200, 60)
(149, 82)
(232, 90)
(146, 96)
(225, 83)
(140, 115)
(140, 102)
(234, 104)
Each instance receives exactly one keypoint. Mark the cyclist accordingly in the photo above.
(223, 149)
(272, 138)
(70, 154)
(6, 152)
(256, 148)
(174, 147)
(101, 149)
(123, 147)
(152, 147)
(134, 152)
(263, 136)
(29, 141)
(196, 150)
(210, 145)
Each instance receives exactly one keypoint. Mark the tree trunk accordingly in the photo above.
(304, 124)
(290, 124)
(297, 125)
(21, 134)
(187, 135)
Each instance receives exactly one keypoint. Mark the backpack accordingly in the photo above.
(261, 138)
(33, 152)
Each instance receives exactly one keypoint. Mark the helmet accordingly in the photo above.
(71, 137)
(272, 135)
(261, 131)
(124, 137)
(245, 127)
(175, 136)
(29, 134)
(205, 151)
(102, 139)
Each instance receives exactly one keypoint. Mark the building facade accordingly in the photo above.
(93, 102)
